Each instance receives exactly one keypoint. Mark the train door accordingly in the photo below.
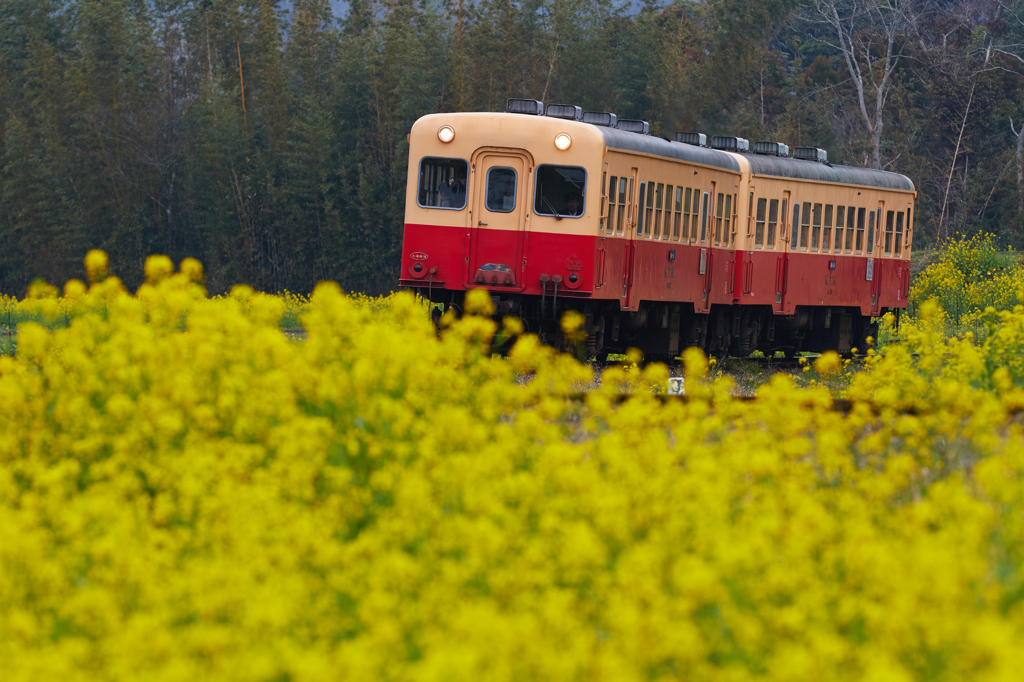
(499, 208)
(629, 243)
(782, 256)
(877, 263)
(707, 254)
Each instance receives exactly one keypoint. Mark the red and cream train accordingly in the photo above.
(660, 244)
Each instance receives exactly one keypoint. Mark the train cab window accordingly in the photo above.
(871, 231)
(794, 236)
(501, 190)
(677, 223)
(888, 232)
(840, 224)
(805, 226)
(557, 187)
(442, 183)
(704, 218)
(762, 210)
(849, 228)
(659, 198)
(773, 214)
(718, 219)
(826, 230)
(816, 228)
(899, 234)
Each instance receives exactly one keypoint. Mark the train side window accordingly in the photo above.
(849, 228)
(816, 228)
(762, 208)
(773, 214)
(795, 229)
(649, 217)
(622, 206)
(442, 183)
(689, 223)
(605, 208)
(899, 234)
(666, 229)
(640, 211)
(729, 237)
(805, 226)
(704, 219)
(871, 230)
(659, 202)
(750, 213)
(840, 224)
(501, 190)
(718, 219)
(632, 182)
(612, 200)
(888, 232)
(909, 236)
(826, 233)
(782, 218)
(556, 187)
(677, 223)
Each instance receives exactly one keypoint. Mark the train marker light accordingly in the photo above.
(446, 134)
(563, 141)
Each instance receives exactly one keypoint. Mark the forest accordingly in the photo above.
(268, 139)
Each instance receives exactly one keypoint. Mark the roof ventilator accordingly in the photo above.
(566, 111)
(730, 144)
(696, 139)
(634, 126)
(811, 154)
(600, 118)
(771, 148)
(533, 107)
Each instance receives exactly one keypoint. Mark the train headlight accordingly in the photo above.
(563, 141)
(446, 133)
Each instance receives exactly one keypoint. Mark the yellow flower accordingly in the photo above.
(96, 263)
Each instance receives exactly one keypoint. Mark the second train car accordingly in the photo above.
(660, 244)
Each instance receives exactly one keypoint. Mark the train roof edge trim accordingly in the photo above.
(648, 144)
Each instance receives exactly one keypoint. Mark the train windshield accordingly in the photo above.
(561, 191)
(442, 183)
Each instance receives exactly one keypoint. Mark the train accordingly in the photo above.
(660, 244)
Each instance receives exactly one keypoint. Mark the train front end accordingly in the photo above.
(505, 202)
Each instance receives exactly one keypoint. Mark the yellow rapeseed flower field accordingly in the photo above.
(188, 493)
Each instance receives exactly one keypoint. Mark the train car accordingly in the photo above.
(660, 244)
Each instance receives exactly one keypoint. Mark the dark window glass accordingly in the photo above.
(871, 230)
(773, 214)
(640, 211)
(501, 190)
(794, 236)
(888, 231)
(561, 191)
(849, 228)
(704, 218)
(442, 183)
(826, 234)
(899, 233)
(762, 209)
(805, 226)
(840, 224)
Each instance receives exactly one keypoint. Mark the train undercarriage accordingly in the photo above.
(663, 330)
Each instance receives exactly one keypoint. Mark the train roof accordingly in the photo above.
(773, 166)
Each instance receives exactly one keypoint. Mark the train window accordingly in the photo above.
(689, 224)
(909, 236)
(782, 218)
(826, 233)
(888, 232)
(649, 217)
(621, 206)
(442, 183)
(849, 228)
(704, 219)
(501, 190)
(659, 200)
(667, 228)
(677, 223)
(557, 188)
(816, 228)
(605, 209)
(613, 197)
(805, 226)
(871, 231)
(762, 209)
(899, 233)
(718, 218)
(640, 213)
(795, 233)
(840, 224)
(729, 214)
(773, 214)
(750, 213)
